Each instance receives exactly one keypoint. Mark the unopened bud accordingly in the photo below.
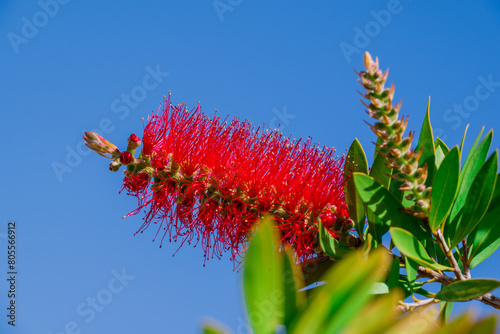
(410, 197)
(368, 61)
(100, 145)
(396, 153)
(347, 225)
(421, 188)
(115, 165)
(133, 142)
(126, 157)
(407, 186)
(422, 203)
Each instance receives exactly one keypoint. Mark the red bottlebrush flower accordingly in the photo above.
(213, 179)
(135, 183)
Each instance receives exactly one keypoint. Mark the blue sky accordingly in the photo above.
(71, 66)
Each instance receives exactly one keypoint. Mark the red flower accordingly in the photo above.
(213, 179)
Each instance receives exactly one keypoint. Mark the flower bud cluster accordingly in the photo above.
(390, 129)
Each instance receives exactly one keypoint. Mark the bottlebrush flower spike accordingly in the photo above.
(390, 130)
(207, 180)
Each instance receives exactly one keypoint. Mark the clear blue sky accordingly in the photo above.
(84, 65)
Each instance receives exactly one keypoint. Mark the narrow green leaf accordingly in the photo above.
(376, 227)
(444, 189)
(440, 143)
(416, 286)
(393, 277)
(463, 138)
(411, 272)
(379, 141)
(445, 311)
(293, 284)
(330, 245)
(476, 158)
(379, 288)
(380, 172)
(473, 148)
(412, 248)
(495, 201)
(430, 247)
(485, 326)
(377, 316)
(439, 157)
(478, 199)
(386, 207)
(485, 238)
(356, 162)
(469, 289)
(345, 293)
(426, 144)
(214, 328)
(263, 279)
(459, 325)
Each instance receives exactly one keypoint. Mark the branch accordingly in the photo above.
(444, 246)
(405, 307)
(465, 259)
(487, 298)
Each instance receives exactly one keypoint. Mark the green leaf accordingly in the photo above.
(478, 199)
(379, 142)
(412, 248)
(472, 149)
(393, 277)
(485, 238)
(416, 287)
(426, 144)
(376, 227)
(330, 245)
(458, 325)
(469, 289)
(214, 328)
(411, 272)
(293, 281)
(444, 189)
(485, 326)
(356, 162)
(476, 158)
(377, 316)
(380, 172)
(463, 138)
(440, 156)
(495, 201)
(386, 207)
(442, 145)
(445, 311)
(379, 288)
(263, 279)
(345, 293)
